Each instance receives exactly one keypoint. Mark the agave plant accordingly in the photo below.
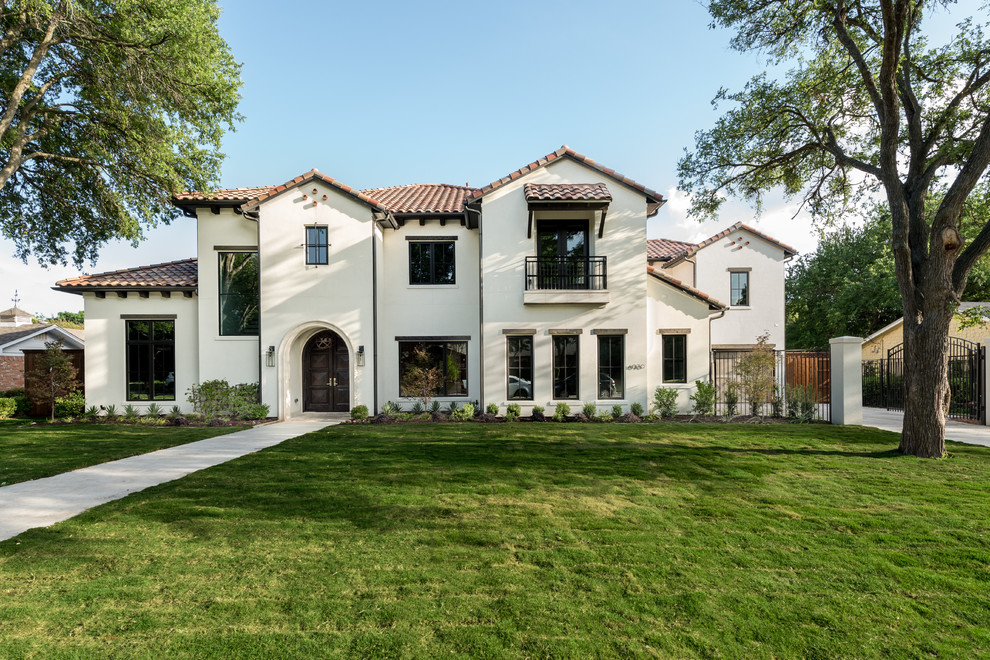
(130, 413)
(435, 407)
(111, 411)
(417, 408)
(154, 410)
(92, 413)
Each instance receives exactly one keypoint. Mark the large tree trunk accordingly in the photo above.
(926, 385)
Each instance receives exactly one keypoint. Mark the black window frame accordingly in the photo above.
(444, 391)
(735, 290)
(669, 357)
(518, 368)
(223, 297)
(561, 373)
(321, 247)
(152, 344)
(432, 278)
(610, 369)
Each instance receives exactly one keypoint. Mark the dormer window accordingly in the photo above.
(317, 247)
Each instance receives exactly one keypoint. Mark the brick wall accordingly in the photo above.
(11, 372)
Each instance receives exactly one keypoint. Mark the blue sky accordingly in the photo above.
(389, 93)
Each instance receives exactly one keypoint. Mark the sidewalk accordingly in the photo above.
(43, 502)
(890, 420)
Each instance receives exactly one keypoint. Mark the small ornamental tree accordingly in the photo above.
(423, 377)
(53, 376)
(756, 374)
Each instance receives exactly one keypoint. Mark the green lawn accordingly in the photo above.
(525, 540)
(31, 452)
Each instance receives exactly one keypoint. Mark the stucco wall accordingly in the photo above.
(765, 312)
(106, 359)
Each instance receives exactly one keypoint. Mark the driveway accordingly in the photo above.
(890, 420)
(44, 502)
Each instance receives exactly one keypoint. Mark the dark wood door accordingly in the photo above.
(326, 374)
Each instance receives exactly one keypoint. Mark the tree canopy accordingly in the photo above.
(106, 109)
(873, 104)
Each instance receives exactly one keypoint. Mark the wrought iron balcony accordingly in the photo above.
(566, 274)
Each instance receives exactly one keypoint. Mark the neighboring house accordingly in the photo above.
(741, 266)
(18, 334)
(875, 346)
(531, 289)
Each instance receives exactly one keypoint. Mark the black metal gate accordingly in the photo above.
(801, 385)
(883, 380)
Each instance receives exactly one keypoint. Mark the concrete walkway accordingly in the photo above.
(44, 502)
(890, 420)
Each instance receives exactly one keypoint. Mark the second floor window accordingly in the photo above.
(317, 248)
(431, 262)
(739, 288)
(240, 299)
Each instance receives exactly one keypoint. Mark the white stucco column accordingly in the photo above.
(986, 377)
(847, 380)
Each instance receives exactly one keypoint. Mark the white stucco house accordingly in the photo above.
(532, 289)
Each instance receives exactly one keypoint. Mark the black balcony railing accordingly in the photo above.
(569, 273)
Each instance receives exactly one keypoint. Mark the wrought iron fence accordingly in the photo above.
(801, 385)
(565, 273)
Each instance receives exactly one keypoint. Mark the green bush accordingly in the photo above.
(512, 412)
(731, 399)
(464, 413)
(704, 398)
(561, 412)
(492, 409)
(72, 405)
(92, 414)
(390, 409)
(130, 413)
(604, 416)
(637, 409)
(359, 413)
(590, 410)
(665, 402)
(8, 406)
(217, 398)
(257, 411)
(539, 409)
(616, 411)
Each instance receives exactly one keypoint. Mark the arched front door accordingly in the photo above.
(326, 374)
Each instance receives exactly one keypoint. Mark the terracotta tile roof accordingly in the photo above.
(173, 274)
(662, 249)
(567, 192)
(690, 290)
(423, 197)
(725, 232)
(314, 175)
(240, 195)
(655, 198)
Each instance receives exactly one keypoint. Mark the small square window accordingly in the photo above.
(431, 263)
(317, 248)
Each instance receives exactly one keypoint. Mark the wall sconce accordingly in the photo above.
(360, 355)
(270, 356)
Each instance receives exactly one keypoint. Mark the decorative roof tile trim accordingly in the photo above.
(725, 232)
(567, 152)
(552, 192)
(690, 290)
(181, 274)
(423, 197)
(312, 175)
(241, 195)
(662, 249)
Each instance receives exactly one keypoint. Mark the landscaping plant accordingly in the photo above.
(70, 406)
(8, 406)
(53, 376)
(665, 402)
(636, 408)
(561, 412)
(756, 374)
(703, 398)
(590, 410)
(492, 409)
(512, 412)
(359, 413)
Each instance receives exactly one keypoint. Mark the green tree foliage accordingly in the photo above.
(53, 376)
(64, 319)
(107, 108)
(872, 105)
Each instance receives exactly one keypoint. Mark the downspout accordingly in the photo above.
(374, 314)
(712, 317)
(255, 217)
(481, 308)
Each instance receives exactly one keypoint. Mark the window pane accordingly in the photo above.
(675, 358)
(239, 297)
(611, 367)
(520, 368)
(443, 263)
(316, 245)
(138, 372)
(420, 263)
(565, 367)
(447, 361)
(138, 330)
(739, 285)
(164, 370)
(164, 331)
(455, 370)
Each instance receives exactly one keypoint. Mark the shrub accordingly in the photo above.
(464, 413)
(359, 413)
(92, 414)
(606, 415)
(703, 398)
(434, 407)
(665, 401)
(154, 410)
(390, 409)
(53, 377)
(777, 402)
(217, 398)
(72, 405)
(561, 412)
(801, 402)
(756, 374)
(417, 408)
(539, 409)
(130, 413)
(257, 411)
(637, 409)
(175, 411)
(629, 418)
(616, 411)
(731, 399)
(492, 409)
(422, 377)
(452, 409)
(590, 410)
(512, 412)
(111, 412)
(8, 406)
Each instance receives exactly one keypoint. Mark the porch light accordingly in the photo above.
(360, 355)
(270, 356)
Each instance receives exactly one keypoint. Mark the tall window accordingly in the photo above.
(317, 248)
(239, 294)
(150, 360)
(611, 366)
(519, 353)
(675, 358)
(431, 263)
(565, 366)
(447, 360)
(739, 288)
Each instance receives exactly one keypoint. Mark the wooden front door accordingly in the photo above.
(326, 374)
